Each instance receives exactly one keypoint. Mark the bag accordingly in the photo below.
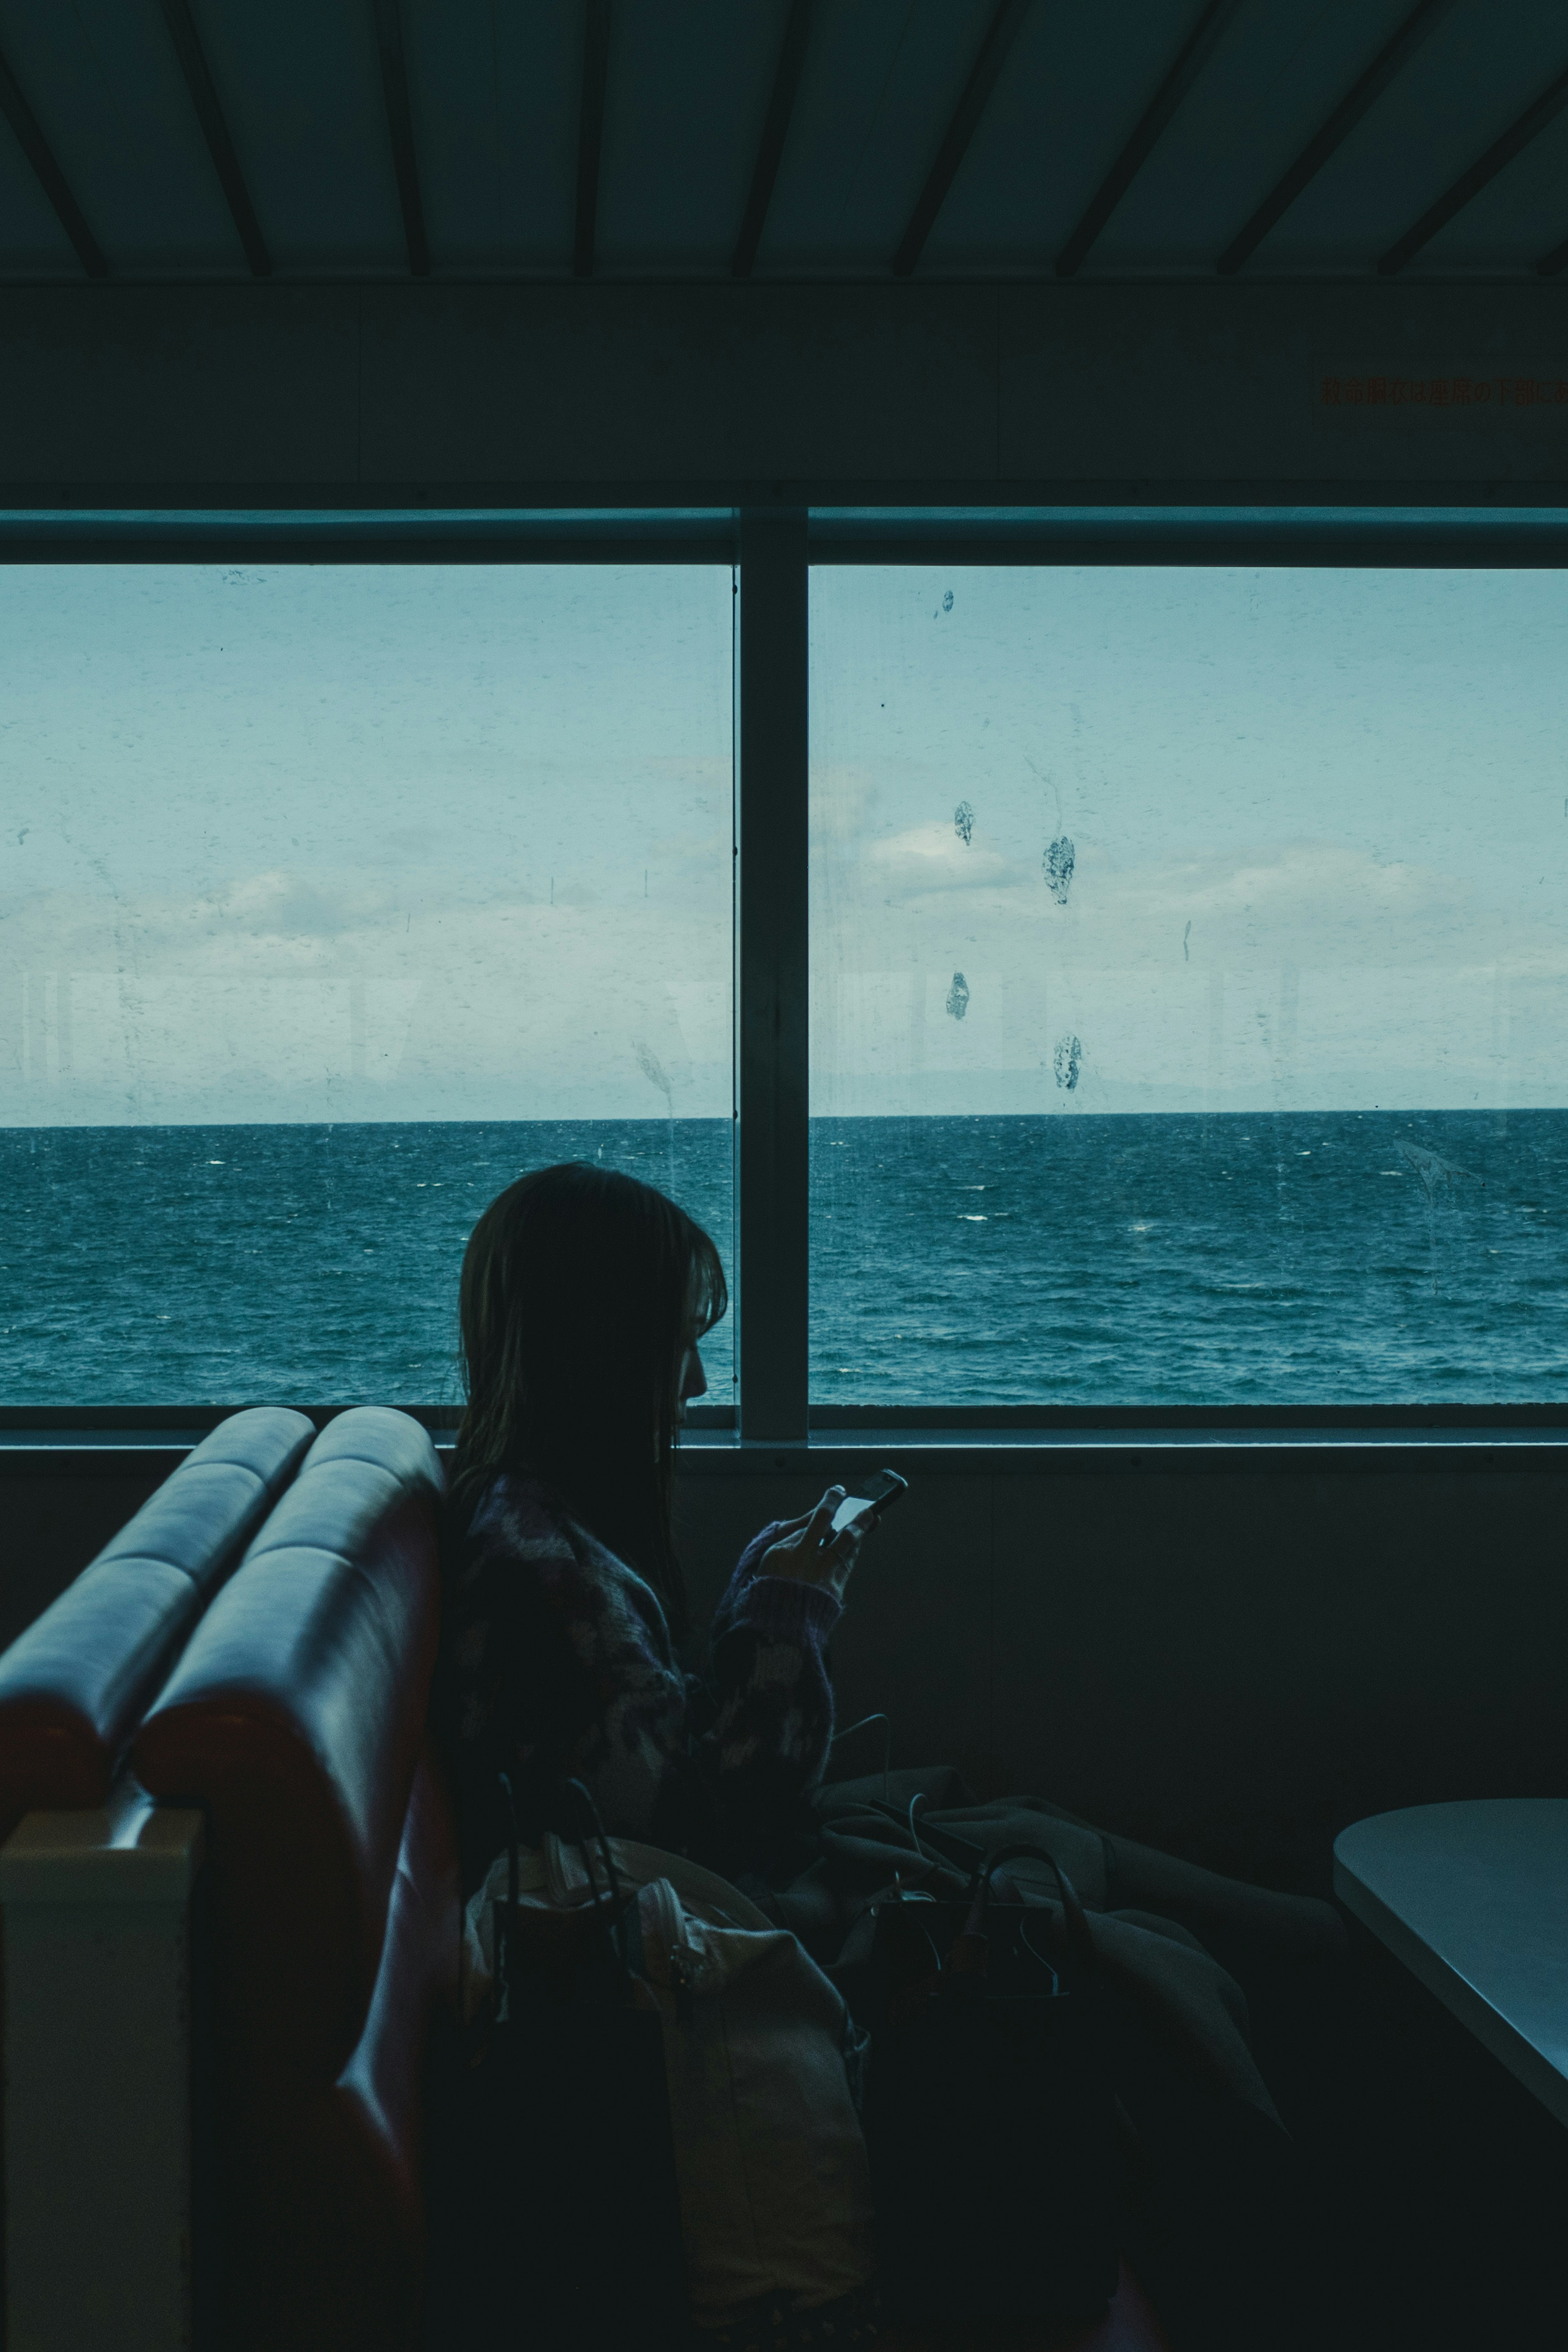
(554, 2212)
(990, 2115)
(772, 2184)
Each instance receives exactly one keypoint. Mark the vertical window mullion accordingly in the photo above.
(773, 1151)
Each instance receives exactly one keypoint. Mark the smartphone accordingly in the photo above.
(882, 1493)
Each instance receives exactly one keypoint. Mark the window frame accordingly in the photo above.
(771, 551)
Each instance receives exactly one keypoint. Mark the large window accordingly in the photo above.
(332, 898)
(1189, 1014)
(1187, 967)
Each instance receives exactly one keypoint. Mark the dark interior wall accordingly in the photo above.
(1231, 1663)
(664, 393)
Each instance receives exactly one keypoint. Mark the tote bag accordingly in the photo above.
(771, 2164)
(554, 2217)
(990, 2114)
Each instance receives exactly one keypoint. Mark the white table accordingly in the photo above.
(1474, 1899)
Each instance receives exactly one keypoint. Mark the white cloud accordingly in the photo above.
(932, 857)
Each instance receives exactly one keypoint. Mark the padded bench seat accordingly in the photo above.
(75, 1685)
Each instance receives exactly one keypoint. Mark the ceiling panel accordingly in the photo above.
(32, 242)
(494, 86)
(1480, 70)
(495, 90)
(1068, 98)
(1268, 88)
(683, 109)
(881, 82)
(300, 83)
(104, 85)
(1520, 216)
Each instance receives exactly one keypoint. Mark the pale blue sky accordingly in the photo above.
(1320, 829)
(364, 842)
(341, 842)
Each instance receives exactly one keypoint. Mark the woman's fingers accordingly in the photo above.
(819, 1527)
(807, 1548)
(845, 1549)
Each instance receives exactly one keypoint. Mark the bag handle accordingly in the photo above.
(614, 1898)
(501, 1989)
(619, 1903)
(1080, 1943)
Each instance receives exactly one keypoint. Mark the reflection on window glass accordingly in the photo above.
(1189, 1012)
(332, 898)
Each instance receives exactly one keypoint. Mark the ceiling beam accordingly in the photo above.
(1514, 140)
(591, 132)
(1195, 53)
(1002, 32)
(215, 129)
(775, 131)
(399, 130)
(1551, 264)
(1391, 59)
(50, 177)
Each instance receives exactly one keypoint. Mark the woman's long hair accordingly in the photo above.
(582, 1291)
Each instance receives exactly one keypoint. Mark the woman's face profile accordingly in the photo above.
(694, 1379)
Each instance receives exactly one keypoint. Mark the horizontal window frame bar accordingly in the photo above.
(847, 1425)
(367, 535)
(1352, 537)
(844, 1420)
(1361, 534)
(18, 1423)
(23, 1423)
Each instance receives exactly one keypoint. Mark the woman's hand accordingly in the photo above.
(809, 1551)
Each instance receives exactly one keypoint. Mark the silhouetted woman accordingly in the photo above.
(584, 1297)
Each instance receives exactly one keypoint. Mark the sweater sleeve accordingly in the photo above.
(558, 1663)
(770, 1691)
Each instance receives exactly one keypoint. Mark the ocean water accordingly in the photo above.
(300, 1264)
(1246, 1258)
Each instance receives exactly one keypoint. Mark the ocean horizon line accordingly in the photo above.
(662, 1120)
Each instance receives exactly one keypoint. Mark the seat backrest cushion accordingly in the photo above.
(74, 1686)
(349, 2254)
(295, 1718)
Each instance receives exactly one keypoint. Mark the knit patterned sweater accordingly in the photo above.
(557, 1662)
